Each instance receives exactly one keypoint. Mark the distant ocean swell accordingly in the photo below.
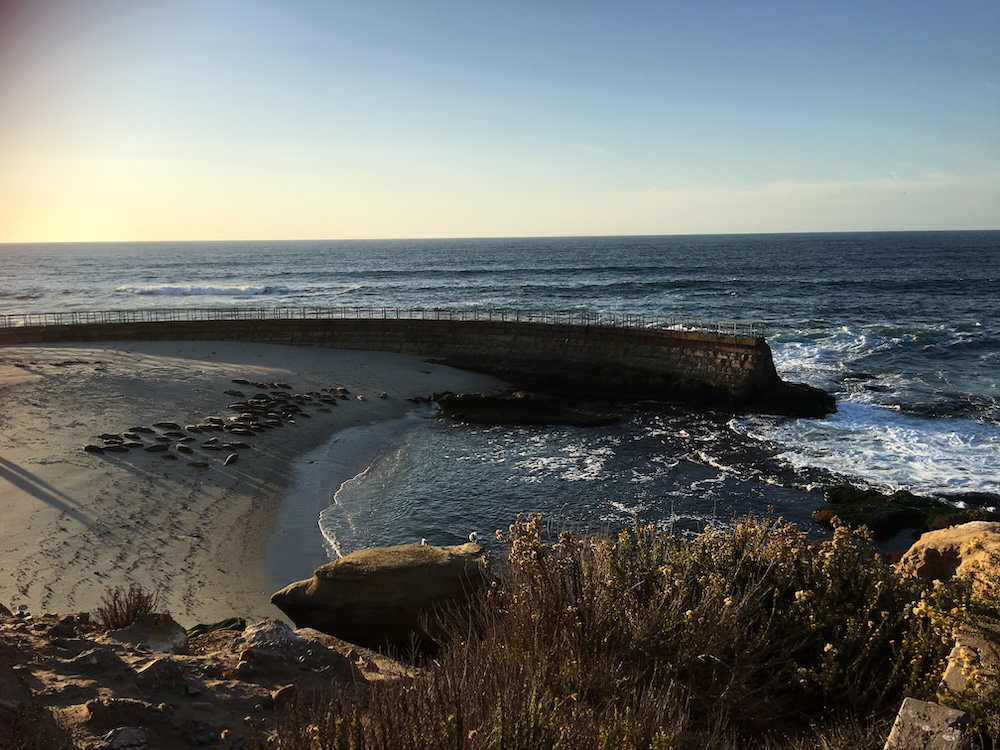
(232, 290)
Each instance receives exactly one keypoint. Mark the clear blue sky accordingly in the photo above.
(227, 119)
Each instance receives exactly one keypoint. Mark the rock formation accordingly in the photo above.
(66, 683)
(966, 550)
(518, 408)
(375, 597)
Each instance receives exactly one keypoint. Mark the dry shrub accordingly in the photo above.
(120, 607)
(750, 636)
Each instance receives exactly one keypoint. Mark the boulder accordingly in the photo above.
(375, 597)
(922, 725)
(966, 550)
(974, 662)
(155, 631)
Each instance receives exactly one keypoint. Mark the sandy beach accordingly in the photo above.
(211, 539)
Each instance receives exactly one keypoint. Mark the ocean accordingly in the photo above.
(902, 327)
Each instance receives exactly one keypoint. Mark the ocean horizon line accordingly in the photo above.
(461, 238)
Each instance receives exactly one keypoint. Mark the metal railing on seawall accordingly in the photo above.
(752, 329)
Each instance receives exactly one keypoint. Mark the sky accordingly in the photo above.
(130, 120)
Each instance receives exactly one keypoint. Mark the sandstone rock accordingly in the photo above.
(268, 647)
(118, 712)
(974, 662)
(966, 550)
(99, 687)
(162, 673)
(921, 725)
(23, 722)
(374, 597)
(157, 632)
(97, 661)
(127, 738)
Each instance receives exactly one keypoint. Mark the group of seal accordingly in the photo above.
(273, 406)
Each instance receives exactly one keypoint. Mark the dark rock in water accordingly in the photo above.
(375, 597)
(884, 515)
(963, 516)
(793, 400)
(517, 408)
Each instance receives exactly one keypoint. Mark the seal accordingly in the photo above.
(231, 459)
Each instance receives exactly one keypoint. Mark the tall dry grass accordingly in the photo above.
(749, 636)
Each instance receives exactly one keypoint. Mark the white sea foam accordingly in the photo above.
(326, 511)
(828, 354)
(573, 463)
(888, 449)
(196, 290)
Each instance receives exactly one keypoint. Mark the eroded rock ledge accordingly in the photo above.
(66, 683)
(375, 597)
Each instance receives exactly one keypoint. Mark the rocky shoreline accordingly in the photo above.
(65, 682)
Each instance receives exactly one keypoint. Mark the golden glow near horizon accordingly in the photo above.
(232, 120)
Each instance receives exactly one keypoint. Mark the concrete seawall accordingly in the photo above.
(710, 369)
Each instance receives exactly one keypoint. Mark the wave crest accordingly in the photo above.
(195, 290)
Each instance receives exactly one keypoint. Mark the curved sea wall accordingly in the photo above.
(719, 370)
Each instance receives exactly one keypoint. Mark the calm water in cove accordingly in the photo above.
(902, 327)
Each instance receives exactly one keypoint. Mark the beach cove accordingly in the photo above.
(215, 540)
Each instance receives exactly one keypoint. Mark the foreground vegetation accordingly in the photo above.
(750, 636)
